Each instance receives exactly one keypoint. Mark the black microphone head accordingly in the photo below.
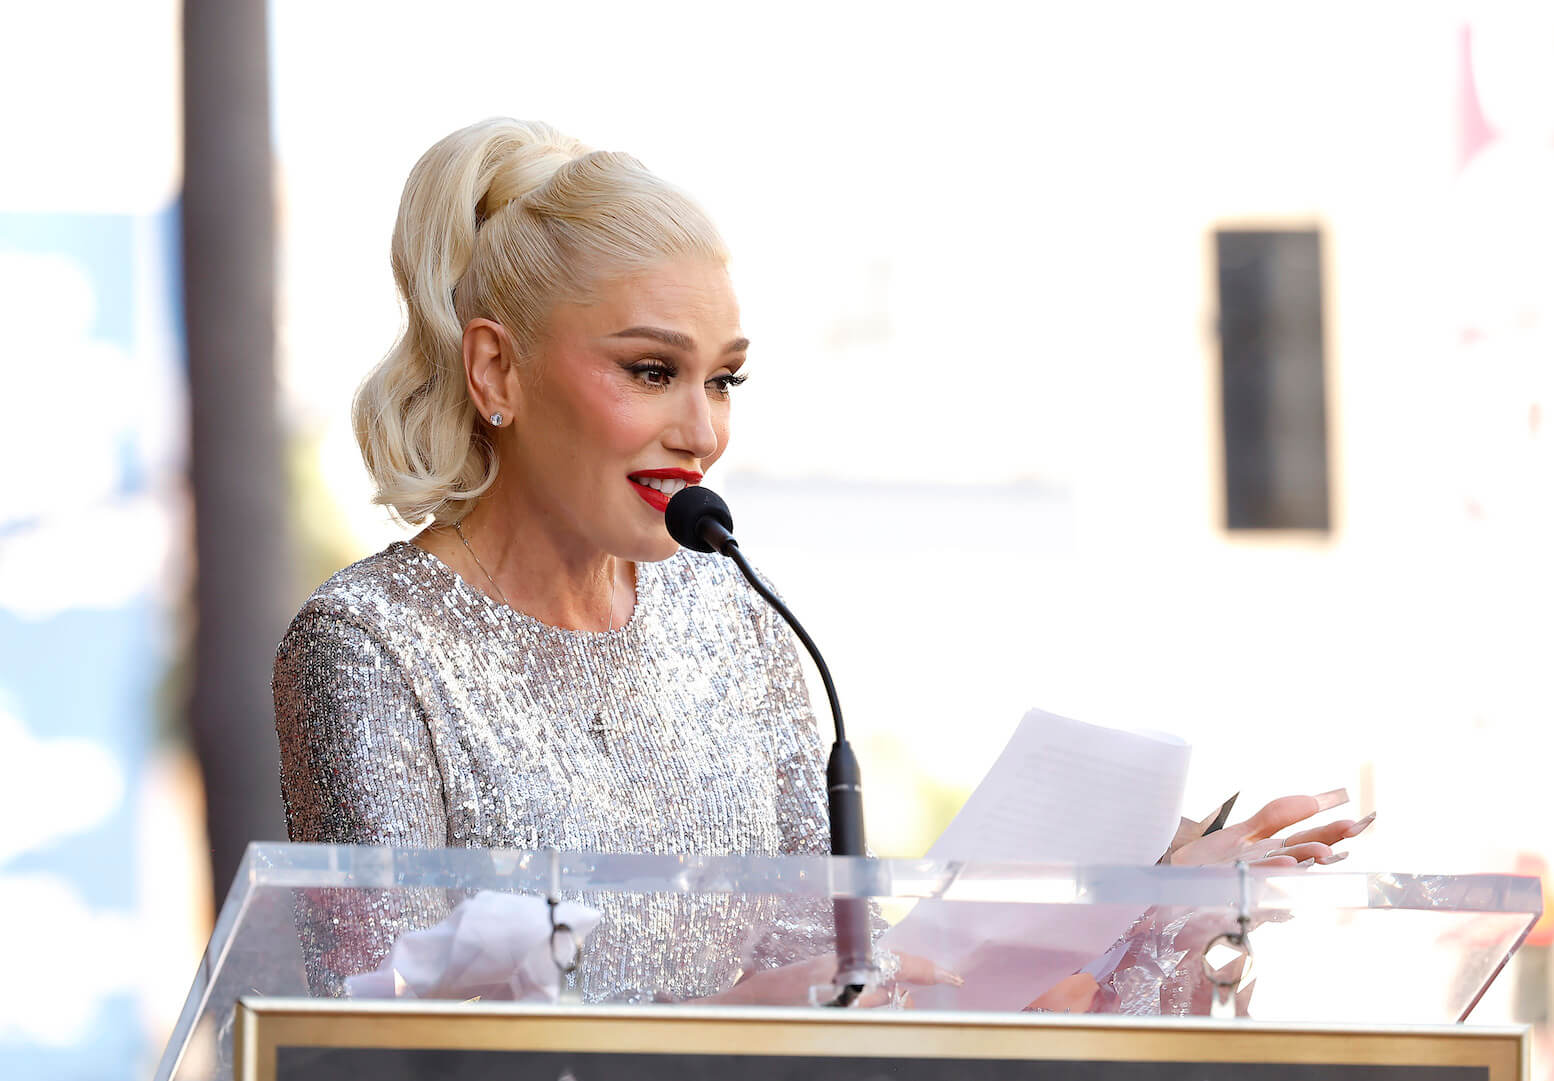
(688, 509)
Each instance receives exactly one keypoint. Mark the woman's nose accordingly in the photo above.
(693, 431)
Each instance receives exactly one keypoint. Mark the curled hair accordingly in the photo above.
(501, 220)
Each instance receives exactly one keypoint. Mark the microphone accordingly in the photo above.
(698, 519)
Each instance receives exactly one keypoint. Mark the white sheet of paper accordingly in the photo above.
(1061, 792)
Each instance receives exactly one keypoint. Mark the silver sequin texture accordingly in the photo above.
(413, 710)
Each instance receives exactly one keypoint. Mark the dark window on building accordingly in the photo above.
(1272, 384)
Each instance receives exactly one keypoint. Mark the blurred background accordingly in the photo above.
(1187, 366)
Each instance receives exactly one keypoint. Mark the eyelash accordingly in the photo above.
(724, 383)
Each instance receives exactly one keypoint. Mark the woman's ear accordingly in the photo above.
(491, 370)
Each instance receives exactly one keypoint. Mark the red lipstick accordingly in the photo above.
(655, 498)
(690, 476)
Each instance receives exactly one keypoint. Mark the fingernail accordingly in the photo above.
(1336, 857)
(944, 975)
(1336, 798)
(1360, 826)
(1307, 863)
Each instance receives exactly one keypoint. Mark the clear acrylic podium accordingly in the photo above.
(1329, 946)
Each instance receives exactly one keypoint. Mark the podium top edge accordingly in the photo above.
(343, 1009)
(272, 865)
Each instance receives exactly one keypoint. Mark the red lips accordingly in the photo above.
(652, 496)
(690, 476)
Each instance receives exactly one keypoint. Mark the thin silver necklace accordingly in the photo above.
(459, 529)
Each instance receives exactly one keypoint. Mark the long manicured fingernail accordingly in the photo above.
(944, 975)
(1336, 857)
(1336, 798)
(1362, 825)
(1307, 862)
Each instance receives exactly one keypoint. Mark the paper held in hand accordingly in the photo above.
(1061, 792)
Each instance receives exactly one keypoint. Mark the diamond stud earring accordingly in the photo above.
(496, 418)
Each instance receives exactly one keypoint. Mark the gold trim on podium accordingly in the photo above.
(265, 1024)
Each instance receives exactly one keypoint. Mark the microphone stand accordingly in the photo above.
(844, 790)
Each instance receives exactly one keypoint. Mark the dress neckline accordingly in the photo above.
(464, 588)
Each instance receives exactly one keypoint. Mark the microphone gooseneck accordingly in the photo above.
(698, 519)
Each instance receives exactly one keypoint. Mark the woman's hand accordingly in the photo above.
(790, 985)
(1071, 994)
(1256, 843)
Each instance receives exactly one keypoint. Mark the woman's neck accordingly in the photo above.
(505, 550)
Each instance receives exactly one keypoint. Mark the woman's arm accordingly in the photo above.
(357, 767)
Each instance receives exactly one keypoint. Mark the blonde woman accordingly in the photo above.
(541, 666)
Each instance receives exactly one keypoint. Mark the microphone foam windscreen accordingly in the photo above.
(686, 511)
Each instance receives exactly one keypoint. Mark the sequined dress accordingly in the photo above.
(413, 710)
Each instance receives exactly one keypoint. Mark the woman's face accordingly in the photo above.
(625, 402)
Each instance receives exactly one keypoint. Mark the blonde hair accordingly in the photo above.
(501, 220)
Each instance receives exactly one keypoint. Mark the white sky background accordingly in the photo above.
(972, 248)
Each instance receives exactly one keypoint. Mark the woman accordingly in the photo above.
(540, 666)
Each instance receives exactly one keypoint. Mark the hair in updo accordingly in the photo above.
(502, 220)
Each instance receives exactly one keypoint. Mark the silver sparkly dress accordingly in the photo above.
(413, 710)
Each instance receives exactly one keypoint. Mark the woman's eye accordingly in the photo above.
(654, 375)
(722, 383)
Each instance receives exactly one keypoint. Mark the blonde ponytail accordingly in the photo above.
(500, 220)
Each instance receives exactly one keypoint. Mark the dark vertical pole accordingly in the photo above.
(241, 582)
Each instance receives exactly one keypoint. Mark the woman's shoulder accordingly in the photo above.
(370, 595)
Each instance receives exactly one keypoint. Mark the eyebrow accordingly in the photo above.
(675, 339)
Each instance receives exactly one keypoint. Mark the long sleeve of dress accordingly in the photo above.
(357, 767)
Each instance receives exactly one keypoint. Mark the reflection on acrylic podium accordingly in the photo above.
(1396, 961)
